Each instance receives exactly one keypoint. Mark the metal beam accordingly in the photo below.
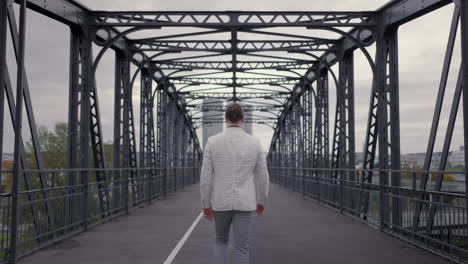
(244, 46)
(464, 52)
(239, 81)
(227, 65)
(240, 95)
(73, 14)
(229, 19)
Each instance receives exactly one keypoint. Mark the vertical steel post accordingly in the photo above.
(122, 130)
(464, 51)
(145, 130)
(79, 122)
(382, 132)
(3, 45)
(321, 134)
(388, 125)
(84, 134)
(15, 211)
(117, 149)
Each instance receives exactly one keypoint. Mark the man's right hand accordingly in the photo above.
(208, 213)
(260, 209)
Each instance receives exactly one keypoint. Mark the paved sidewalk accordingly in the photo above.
(293, 230)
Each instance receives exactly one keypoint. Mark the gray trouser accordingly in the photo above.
(241, 222)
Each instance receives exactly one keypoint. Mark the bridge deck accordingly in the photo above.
(293, 230)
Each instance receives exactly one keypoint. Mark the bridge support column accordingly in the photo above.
(162, 144)
(464, 49)
(124, 137)
(79, 120)
(321, 133)
(3, 62)
(343, 155)
(308, 135)
(387, 88)
(147, 140)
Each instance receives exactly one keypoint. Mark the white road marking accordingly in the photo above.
(182, 241)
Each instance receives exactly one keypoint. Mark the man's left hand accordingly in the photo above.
(208, 213)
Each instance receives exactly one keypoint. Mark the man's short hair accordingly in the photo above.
(234, 112)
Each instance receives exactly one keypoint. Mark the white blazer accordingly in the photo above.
(234, 173)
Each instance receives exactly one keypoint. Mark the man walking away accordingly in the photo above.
(234, 186)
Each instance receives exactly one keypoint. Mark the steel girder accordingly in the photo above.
(435, 124)
(230, 19)
(464, 76)
(383, 128)
(227, 65)
(321, 133)
(258, 120)
(124, 137)
(147, 153)
(343, 149)
(79, 115)
(218, 108)
(240, 95)
(244, 46)
(169, 145)
(238, 81)
(18, 40)
(83, 121)
(175, 135)
(161, 143)
(15, 216)
(73, 14)
(307, 112)
(387, 87)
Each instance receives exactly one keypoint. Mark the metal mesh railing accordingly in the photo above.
(72, 200)
(435, 220)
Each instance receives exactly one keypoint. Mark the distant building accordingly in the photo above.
(7, 156)
(457, 158)
(212, 128)
(416, 160)
(359, 159)
(248, 127)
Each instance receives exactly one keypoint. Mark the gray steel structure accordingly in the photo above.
(284, 76)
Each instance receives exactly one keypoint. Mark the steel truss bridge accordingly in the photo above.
(254, 57)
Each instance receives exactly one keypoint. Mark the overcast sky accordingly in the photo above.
(421, 48)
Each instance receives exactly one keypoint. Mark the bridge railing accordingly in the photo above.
(435, 220)
(63, 202)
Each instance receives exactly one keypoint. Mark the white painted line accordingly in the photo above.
(182, 241)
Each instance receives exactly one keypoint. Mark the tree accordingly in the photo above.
(7, 178)
(54, 146)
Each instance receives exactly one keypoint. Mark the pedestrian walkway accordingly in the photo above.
(293, 230)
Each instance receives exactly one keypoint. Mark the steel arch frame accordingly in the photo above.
(169, 151)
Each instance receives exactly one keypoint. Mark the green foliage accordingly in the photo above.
(53, 146)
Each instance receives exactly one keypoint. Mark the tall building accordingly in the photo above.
(248, 127)
(457, 158)
(212, 128)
